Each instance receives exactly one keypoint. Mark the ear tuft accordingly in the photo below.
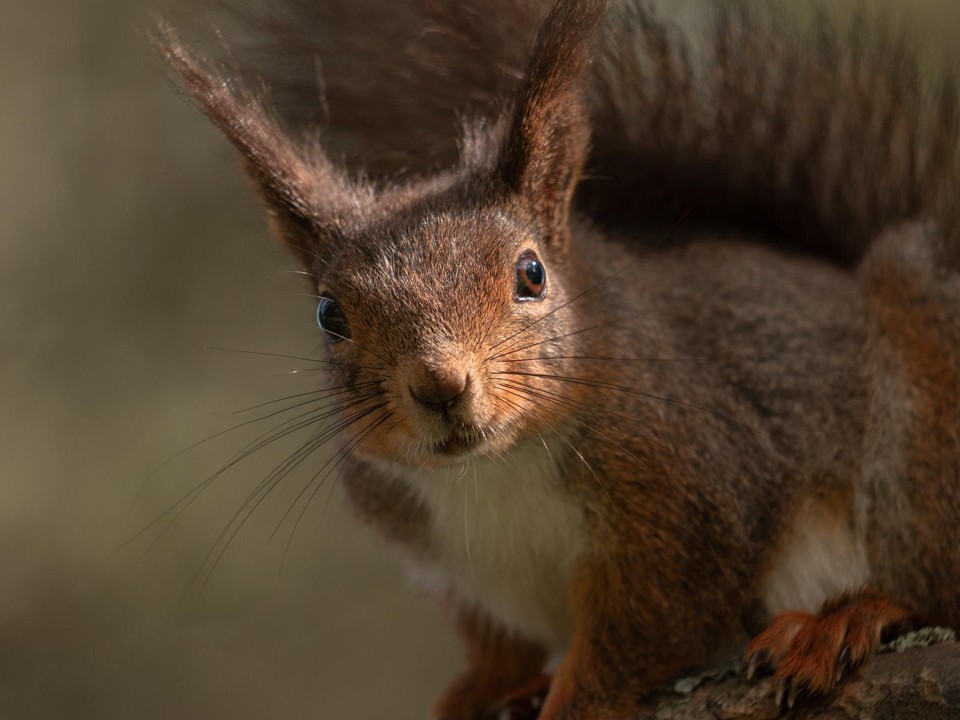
(306, 196)
(546, 142)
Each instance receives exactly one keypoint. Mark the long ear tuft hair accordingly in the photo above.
(307, 197)
(546, 142)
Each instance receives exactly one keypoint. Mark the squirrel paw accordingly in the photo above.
(809, 655)
(469, 698)
(525, 702)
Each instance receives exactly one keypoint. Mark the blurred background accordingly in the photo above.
(128, 244)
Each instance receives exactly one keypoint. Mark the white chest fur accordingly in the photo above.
(823, 557)
(505, 536)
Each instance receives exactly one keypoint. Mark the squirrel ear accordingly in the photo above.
(545, 146)
(306, 196)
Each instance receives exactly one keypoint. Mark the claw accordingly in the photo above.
(782, 684)
(792, 696)
(845, 655)
(526, 707)
(757, 659)
(843, 661)
(511, 712)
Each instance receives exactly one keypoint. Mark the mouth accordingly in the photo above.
(456, 445)
(459, 442)
(463, 440)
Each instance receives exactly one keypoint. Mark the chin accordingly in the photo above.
(418, 447)
(457, 448)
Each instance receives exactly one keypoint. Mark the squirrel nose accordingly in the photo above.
(438, 389)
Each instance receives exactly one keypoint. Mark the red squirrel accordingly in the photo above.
(666, 353)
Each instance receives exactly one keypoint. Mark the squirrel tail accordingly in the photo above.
(815, 137)
(819, 138)
(388, 83)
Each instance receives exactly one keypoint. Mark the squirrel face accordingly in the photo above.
(423, 315)
(432, 291)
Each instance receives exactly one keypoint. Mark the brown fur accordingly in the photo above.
(694, 389)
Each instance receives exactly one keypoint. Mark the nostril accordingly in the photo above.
(439, 389)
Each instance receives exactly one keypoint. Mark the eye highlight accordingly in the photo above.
(331, 319)
(531, 277)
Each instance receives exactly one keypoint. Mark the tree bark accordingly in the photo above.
(905, 683)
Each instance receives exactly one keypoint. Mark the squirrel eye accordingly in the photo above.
(531, 277)
(331, 319)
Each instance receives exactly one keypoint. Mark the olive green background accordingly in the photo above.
(128, 242)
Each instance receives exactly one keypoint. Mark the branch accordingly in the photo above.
(908, 681)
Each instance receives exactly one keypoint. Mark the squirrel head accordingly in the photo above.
(429, 291)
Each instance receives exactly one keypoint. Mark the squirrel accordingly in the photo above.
(660, 353)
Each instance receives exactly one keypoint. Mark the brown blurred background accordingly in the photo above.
(127, 242)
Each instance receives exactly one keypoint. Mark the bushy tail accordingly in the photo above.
(814, 138)
(809, 136)
(387, 82)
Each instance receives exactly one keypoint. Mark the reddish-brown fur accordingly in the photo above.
(811, 654)
(499, 665)
(694, 386)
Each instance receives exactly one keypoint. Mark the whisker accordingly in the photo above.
(702, 531)
(556, 309)
(297, 371)
(593, 287)
(359, 345)
(296, 500)
(592, 471)
(176, 510)
(494, 321)
(597, 411)
(545, 447)
(228, 430)
(633, 391)
(305, 419)
(312, 254)
(253, 501)
(510, 351)
(466, 523)
(340, 390)
(613, 359)
(193, 495)
(599, 432)
(388, 414)
(289, 357)
(305, 273)
(361, 439)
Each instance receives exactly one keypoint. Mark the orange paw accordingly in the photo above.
(810, 655)
(469, 698)
(767, 649)
(525, 702)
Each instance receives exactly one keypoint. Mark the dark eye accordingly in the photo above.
(331, 319)
(531, 277)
